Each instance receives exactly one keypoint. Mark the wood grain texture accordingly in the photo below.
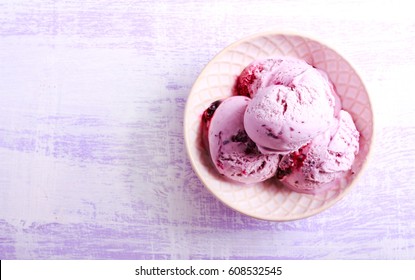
(92, 159)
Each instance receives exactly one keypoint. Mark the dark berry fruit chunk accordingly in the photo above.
(208, 113)
(281, 173)
(240, 137)
(250, 147)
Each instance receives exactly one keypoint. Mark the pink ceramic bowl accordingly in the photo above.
(269, 200)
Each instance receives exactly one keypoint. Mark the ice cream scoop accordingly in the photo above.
(292, 102)
(315, 167)
(233, 153)
(281, 118)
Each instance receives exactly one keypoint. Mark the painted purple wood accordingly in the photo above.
(92, 159)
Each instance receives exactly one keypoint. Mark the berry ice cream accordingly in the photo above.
(233, 153)
(292, 103)
(285, 119)
(314, 167)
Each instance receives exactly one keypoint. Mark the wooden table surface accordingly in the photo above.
(92, 159)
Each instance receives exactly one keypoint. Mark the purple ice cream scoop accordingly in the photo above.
(316, 166)
(233, 153)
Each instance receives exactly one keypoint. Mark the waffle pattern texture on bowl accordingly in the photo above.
(269, 200)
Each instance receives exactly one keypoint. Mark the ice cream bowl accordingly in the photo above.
(269, 200)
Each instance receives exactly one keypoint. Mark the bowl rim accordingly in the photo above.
(291, 217)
